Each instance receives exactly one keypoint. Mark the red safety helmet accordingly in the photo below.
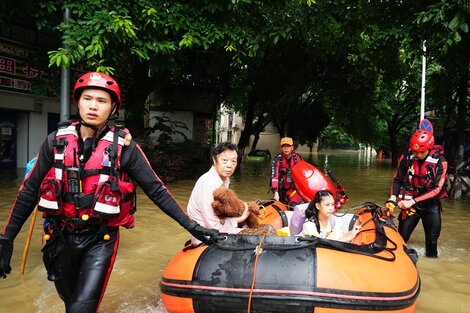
(421, 141)
(99, 80)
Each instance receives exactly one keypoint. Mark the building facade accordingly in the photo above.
(25, 118)
(230, 125)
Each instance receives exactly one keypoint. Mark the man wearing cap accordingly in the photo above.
(281, 179)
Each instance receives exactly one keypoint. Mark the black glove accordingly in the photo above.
(201, 232)
(6, 250)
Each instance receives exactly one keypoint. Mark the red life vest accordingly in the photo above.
(284, 170)
(421, 174)
(97, 190)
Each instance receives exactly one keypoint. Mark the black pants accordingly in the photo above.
(431, 217)
(79, 263)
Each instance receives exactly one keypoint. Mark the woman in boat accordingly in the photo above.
(225, 159)
(320, 221)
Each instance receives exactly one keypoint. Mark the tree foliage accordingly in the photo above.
(300, 64)
(445, 26)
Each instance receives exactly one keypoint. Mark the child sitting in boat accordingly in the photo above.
(321, 222)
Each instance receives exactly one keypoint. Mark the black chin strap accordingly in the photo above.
(113, 116)
(114, 113)
(96, 131)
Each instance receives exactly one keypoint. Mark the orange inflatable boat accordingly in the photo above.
(239, 273)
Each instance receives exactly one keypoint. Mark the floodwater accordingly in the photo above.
(146, 250)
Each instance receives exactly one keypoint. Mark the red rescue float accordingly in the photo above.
(309, 180)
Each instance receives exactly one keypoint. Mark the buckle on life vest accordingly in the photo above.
(80, 200)
(83, 200)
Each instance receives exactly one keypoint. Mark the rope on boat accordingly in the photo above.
(345, 211)
(369, 250)
(258, 252)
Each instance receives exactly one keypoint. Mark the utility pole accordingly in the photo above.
(423, 81)
(65, 84)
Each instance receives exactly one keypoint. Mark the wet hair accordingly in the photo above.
(311, 213)
(224, 146)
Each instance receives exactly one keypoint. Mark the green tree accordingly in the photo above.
(357, 61)
(445, 26)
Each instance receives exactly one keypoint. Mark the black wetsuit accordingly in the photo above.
(77, 257)
(428, 206)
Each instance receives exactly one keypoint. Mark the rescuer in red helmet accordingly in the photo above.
(418, 186)
(84, 176)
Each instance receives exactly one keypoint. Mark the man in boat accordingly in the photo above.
(281, 179)
(84, 175)
(418, 186)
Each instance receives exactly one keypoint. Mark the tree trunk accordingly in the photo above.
(255, 141)
(461, 124)
(136, 98)
(392, 133)
(394, 150)
(248, 130)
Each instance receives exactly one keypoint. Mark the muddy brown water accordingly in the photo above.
(146, 250)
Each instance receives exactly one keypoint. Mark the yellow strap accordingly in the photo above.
(292, 194)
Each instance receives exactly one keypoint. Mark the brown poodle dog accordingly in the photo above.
(227, 204)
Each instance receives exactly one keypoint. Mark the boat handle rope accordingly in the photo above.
(253, 280)
(274, 247)
(379, 231)
(343, 210)
(326, 243)
(367, 250)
